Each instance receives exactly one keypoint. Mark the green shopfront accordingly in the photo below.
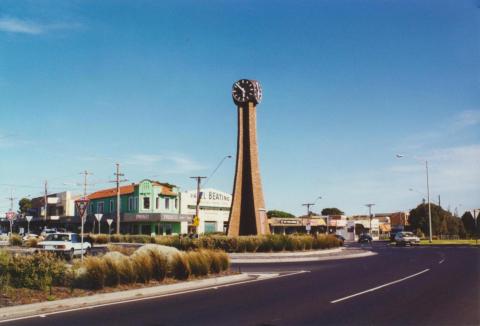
(149, 207)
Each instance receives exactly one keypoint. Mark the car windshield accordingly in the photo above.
(57, 237)
(407, 234)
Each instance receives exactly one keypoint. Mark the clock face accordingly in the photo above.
(258, 91)
(243, 91)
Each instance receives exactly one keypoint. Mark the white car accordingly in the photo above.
(66, 244)
(404, 238)
(46, 232)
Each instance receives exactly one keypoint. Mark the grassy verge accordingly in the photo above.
(450, 242)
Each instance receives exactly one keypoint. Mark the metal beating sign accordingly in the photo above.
(82, 205)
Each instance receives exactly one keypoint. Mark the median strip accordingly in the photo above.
(380, 287)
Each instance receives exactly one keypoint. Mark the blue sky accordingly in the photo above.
(347, 85)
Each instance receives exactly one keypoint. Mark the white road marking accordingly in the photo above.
(379, 287)
(216, 287)
(441, 261)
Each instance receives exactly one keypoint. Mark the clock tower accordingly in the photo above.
(247, 215)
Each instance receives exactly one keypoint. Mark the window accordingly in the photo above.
(167, 203)
(146, 203)
(210, 227)
(111, 206)
(157, 202)
(100, 207)
(130, 204)
(176, 203)
(135, 203)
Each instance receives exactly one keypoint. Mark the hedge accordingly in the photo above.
(267, 243)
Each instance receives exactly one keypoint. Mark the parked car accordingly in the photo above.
(364, 237)
(404, 238)
(66, 244)
(340, 238)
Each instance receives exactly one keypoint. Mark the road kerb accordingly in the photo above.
(49, 307)
(293, 259)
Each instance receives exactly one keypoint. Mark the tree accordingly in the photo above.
(443, 222)
(468, 223)
(24, 205)
(277, 213)
(331, 211)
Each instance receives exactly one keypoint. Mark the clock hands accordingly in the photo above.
(241, 88)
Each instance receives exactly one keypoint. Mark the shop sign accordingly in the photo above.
(142, 217)
(176, 218)
(289, 222)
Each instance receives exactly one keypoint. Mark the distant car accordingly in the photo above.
(404, 238)
(67, 244)
(340, 238)
(364, 237)
(46, 232)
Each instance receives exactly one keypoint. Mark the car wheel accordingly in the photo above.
(88, 252)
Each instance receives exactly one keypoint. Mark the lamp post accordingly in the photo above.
(428, 199)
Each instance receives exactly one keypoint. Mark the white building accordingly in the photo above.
(214, 208)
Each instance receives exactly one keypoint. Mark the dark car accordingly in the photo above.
(340, 238)
(364, 237)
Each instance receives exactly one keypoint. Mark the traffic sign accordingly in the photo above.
(29, 218)
(82, 205)
(109, 221)
(308, 227)
(10, 215)
(98, 217)
(196, 221)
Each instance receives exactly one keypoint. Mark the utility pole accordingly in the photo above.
(370, 215)
(11, 199)
(85, 175)
(45, 203)
(308, 212)
(117, 174)
(84, 217)
(199, 180)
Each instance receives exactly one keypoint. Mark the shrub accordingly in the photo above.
(224, 260)
(112, 272)
(179, 267)
(31, 243)
(199, 263)
(127, 251)
(99, 238)
(4, 274)
(142, 264)
(159, 265)
(94, 274)
(15, 240)
(126, 271)
(214, 260)
(38, 271)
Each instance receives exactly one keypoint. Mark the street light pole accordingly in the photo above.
(429, 206)
(199, 180)
(428, 198)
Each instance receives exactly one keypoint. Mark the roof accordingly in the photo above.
(130, 189)
(111, 192)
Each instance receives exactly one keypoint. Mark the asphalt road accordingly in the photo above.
(399, 286)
